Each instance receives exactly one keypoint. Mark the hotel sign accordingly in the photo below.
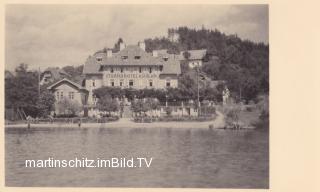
(132, 76)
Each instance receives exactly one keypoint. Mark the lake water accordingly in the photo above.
(181, 157)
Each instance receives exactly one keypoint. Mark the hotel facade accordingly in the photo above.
(131, 67)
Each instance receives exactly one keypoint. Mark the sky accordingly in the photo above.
(60, 35)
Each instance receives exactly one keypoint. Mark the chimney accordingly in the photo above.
(142, 45)
(122, 46)
(109, 53)
(155, 53)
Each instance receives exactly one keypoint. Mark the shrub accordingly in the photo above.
(168, 111)
(67, 106)
(66, 116)
(249, 109)
(172, 118)
(232, 117)
(263, 120)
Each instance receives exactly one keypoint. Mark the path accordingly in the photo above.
(218, 122)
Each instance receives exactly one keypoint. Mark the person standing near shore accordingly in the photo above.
(28, 121)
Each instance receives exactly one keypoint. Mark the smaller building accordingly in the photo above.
(195, 58)
(70, 93)
(52, 74)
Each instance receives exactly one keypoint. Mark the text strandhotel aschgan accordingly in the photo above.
(137, 162)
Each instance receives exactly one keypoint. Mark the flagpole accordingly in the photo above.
(199, 107)
(39, 83)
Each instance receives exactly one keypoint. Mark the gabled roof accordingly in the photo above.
(194, 54)
(67, 81)
(163, 53)
(128, 57)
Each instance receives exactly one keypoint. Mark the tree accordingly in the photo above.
(140, 106)
(46, 103)
(211, 68)
(108, 104)
(210, 93)
(67, 106)
(250, 87)
(187, 86)
(136, 106)
(168, 111)
(21, 91)
(153, 104)
(116, 47)
(114, 92)
(22, 69)
(228, 58)
(233, 119)
(74, 72)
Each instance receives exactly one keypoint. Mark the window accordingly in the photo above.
(61, 95)
(112, 83)
(121, 82)
(71, 95)
(161, 68)
(124, 57)
(150, 83)
(165, 58)
(140, 70)
(121, 70)
(131, 83)
(168, 83)
(111, 70)
(137, 57)
(57, 95)
(93, 83)
(150, 69)
(94, 99)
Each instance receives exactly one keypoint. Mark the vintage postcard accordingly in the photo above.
(137, 96)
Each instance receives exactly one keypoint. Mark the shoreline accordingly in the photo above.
(218, 122)
(172, 124)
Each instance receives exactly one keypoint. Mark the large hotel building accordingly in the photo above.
(131, 67)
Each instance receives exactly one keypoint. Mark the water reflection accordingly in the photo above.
(181, 157)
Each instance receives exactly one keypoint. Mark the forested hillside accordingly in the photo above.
(243, 64)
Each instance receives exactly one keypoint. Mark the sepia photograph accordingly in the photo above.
(136, 95)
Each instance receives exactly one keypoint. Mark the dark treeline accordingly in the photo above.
(243, 64)
(22, 92)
